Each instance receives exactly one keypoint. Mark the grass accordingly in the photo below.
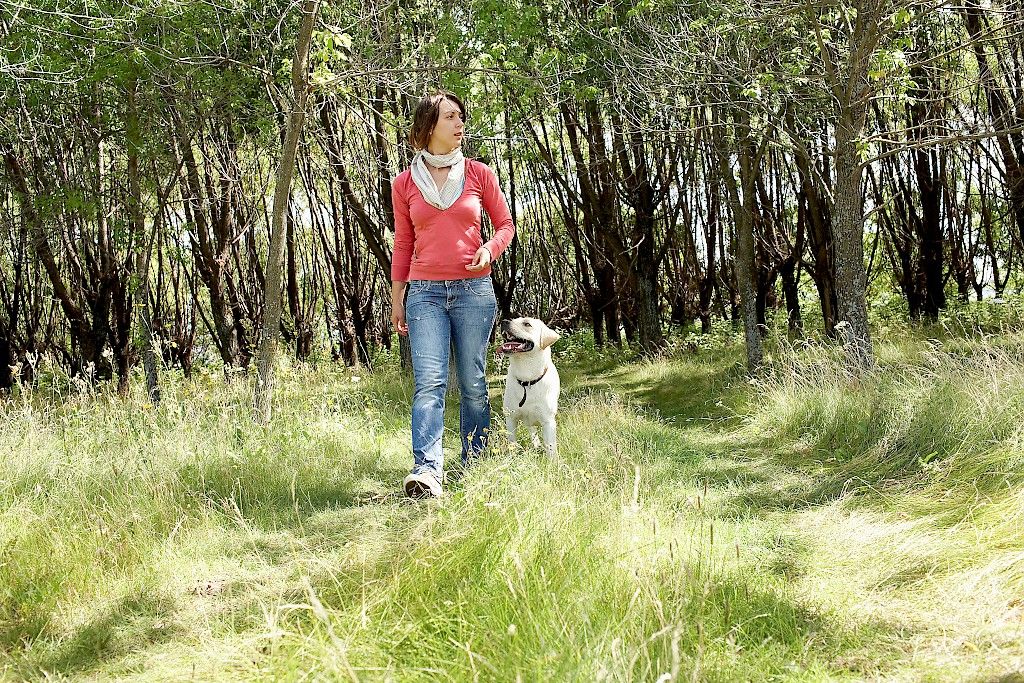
(696, 525)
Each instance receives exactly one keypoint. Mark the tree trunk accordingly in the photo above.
(70, 303)
(282, 190)
(818, 216)
(208, 254)
(1006, 120)
(6, 357)
(743, 210)
(929, 169)
(853, 96)
(597, 202)
(711, 230)
(791, 291)
(142, 256)
(506, 290)
(851, 276)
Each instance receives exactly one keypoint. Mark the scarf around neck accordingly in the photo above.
(447, 195)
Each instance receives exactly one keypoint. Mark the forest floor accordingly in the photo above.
(695, 525)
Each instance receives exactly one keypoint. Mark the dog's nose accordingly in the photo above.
(505, 324)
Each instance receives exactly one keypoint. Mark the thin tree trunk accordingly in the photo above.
(264, 389)
(6, 356)
(142, 256)
(1005, 119)
(743, 210)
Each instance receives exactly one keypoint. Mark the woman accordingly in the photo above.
(440, 257)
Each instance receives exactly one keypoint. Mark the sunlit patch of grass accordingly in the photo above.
(100, 493)
(918, 471)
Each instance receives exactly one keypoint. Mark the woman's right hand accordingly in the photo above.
(398, 318)
(398, 307)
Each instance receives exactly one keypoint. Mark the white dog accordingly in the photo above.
(532, 385)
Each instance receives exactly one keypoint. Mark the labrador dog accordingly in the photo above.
(532, 385)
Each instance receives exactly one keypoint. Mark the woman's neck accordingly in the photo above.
(438, 152)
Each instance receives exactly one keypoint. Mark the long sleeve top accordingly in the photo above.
(431, 244)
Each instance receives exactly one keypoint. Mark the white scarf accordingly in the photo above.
(453, 186)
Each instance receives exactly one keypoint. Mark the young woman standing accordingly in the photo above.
(441, 259)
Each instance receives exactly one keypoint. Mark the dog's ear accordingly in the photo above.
(548, 337)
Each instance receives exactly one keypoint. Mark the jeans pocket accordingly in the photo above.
(481, 286)
(418, 286)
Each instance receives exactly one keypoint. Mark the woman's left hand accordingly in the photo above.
(480, 260)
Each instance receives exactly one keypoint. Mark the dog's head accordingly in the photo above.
(523, 335)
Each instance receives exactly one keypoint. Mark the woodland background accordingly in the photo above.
(670, 164)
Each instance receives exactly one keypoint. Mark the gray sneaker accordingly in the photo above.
(422, 485)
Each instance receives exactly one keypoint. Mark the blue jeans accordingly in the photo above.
(443, 314)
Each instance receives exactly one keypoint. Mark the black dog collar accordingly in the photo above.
(529, 384)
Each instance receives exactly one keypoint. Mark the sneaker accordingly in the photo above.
(422, 485)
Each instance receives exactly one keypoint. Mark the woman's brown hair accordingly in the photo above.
(426, 115)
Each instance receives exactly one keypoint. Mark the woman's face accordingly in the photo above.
(448, 131)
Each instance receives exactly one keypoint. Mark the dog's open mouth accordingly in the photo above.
(513, 345)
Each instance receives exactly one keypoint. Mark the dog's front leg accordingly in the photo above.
(534, 438)
(550, 442)
(511, 424)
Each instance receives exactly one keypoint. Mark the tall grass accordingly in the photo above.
(937, 421)
(694, 526)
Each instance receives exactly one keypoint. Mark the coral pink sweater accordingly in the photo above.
(431, 244)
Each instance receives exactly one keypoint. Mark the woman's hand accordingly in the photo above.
(480, 261)
(398, 319)
(398, 308)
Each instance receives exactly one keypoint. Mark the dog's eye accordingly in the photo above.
(527, 325)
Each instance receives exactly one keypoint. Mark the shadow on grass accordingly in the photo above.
(707, 401)
(134, 620)
(713, 397)
(274, 514)
(710, 392)
(1014, 677)
(764, 634)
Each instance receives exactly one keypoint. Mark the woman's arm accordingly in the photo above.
(401, 259)
(493, 200)
(405, 238)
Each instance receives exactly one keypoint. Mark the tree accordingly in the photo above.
(847, 77)
(264, 390)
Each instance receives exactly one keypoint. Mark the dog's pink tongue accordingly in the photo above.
(511, 347)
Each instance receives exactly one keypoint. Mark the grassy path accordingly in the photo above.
(693, 527)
